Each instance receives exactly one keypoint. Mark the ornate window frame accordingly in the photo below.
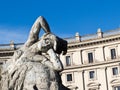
(93, 85)
(115, 83)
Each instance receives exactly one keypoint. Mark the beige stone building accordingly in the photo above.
(92, 61)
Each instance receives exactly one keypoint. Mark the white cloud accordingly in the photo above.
(18, 35)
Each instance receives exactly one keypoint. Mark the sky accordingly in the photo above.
(65, 17)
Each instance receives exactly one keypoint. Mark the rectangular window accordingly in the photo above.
(113, 54)
(115, 71)
(92, 74)
(68, 61)
(69, 77)
(90, 57)
(117, 88)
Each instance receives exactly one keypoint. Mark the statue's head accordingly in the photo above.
(49, 40)
(61, 46)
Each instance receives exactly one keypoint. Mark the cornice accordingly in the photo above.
(92, 42)
(92, 65)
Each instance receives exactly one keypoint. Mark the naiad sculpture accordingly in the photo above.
(36, 65)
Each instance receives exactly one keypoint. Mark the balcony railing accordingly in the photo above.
(94, 36)
(88, 37)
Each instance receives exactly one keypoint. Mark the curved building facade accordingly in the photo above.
(91, 63)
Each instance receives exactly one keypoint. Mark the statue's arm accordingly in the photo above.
(34, 32)
(55, 61)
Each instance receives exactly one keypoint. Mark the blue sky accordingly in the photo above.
(65, 17)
